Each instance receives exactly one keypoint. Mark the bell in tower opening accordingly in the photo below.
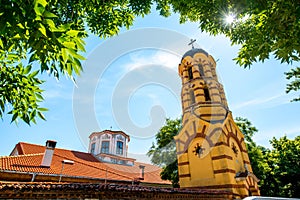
(210, 147)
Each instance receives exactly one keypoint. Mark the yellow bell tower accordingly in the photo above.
(210, 147)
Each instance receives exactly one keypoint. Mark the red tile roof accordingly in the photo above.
(85, 165)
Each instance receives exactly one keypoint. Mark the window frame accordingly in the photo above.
(120, 149)
(105, 148)
(93, 147)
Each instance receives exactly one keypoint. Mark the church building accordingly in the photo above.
(210, 147)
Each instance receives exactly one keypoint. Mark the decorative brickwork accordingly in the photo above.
(103, 191)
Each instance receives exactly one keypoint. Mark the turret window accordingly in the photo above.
(105, 147)
(190, 71)
(192, 97)
(119, 148)
(206, 94)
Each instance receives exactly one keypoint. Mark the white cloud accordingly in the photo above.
(56, 94)
(266, 101)
(161, 58)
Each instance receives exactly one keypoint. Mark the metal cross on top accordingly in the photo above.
(192, 42)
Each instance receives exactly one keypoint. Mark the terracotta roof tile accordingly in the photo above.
(85, 165)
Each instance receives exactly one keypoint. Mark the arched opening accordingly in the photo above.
(206, 94)
(190, 71)
(200, 68)
(192, 97)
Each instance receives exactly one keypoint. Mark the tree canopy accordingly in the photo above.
(47, 35)
(163, 152)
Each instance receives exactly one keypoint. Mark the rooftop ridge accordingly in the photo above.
(24, 155)
(56, 148)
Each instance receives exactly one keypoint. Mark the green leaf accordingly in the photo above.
(32, 58)
(42, 29)
(41, 116)
(27, 69)
(39, 11)
(41, 2)
(39, 96)
(2, 105)
(1, 43)
(73, 33)
(32, 115)
(33, 74)
(51, 24)
(48, 14)
(70, 45)
(42, 109)
(14, 117)
(65, 55)
(26, 119)
(20, 25)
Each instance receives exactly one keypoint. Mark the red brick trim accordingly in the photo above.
(210, 115)
(221, 186)
(220, 144)
(183, 163)
(184, 175)
(246, 162)
(220, 171)
(221, 157)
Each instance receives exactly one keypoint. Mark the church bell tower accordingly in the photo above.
(210, 147)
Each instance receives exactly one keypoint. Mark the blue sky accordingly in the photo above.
(257, 93)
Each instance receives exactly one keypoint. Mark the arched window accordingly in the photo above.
(190, 71)
(119, 148)
(206, 94)
(192, 97)
(200, 68)
(105, 147)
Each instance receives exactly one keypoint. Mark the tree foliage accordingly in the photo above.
(49, 34)
(284, 162)
(294, 85)
(277, 168)
(163, 153)
(246, 127)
